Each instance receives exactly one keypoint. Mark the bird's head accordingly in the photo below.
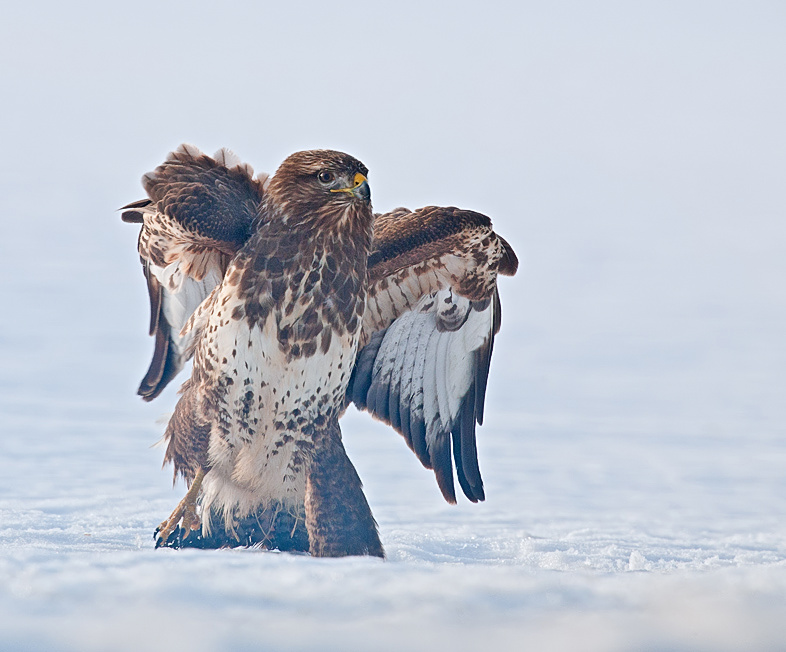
(320, 187)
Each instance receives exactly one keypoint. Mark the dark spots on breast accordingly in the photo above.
(275, 266)
(256, 313)
(309, 348)
(233, 278)
(297, 460)
(344, 296)
(238, 312)
(310, 282)
(327, 336)
(277, 290)
(258, 264)
(284, 334)
(157, 254)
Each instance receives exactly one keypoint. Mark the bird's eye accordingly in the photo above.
(325, 176)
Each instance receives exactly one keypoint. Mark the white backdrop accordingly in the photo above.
(634, 154)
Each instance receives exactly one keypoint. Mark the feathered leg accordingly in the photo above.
(338, 518)
(185, 512)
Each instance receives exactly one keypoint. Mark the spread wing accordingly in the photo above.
(198, 214)
(428, 332)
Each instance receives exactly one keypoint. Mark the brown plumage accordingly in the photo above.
(274, 285)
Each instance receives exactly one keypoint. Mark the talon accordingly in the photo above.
(185, 512)
(190, 519)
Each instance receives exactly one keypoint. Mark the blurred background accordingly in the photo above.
(634, 154)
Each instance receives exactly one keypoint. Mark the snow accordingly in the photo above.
(635, 438)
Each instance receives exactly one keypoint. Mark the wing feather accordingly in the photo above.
(199, 213)
(430, 321)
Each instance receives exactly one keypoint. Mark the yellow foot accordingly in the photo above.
(185, 514)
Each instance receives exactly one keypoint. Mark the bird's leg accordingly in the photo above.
(185, 512)
(338, 518)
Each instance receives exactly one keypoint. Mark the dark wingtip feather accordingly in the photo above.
(163, 367)
(418, 429)
(156, 295)
(381, 405)
(394, 403)
(509, 263)
(131, 216)
(443, 466)
(150, 387)
(483, 360)
(463, 483)
(468, 459)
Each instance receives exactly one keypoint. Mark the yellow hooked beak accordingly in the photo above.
(359, 187)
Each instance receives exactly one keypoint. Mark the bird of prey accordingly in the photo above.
(295, 299)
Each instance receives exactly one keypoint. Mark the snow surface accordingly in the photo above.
(635, 443)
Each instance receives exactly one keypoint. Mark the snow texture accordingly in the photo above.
(635, 438)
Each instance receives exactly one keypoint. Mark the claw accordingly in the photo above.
(185, 512)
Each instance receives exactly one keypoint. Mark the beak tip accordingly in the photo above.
(364, 192)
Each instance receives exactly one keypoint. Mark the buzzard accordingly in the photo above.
(295, 299)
